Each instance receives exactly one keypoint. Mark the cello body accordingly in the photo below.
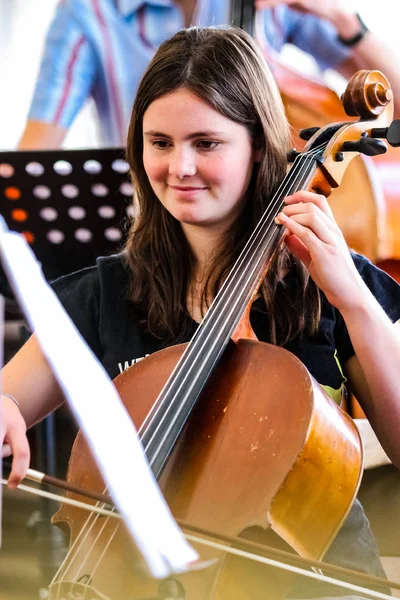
(230, 470)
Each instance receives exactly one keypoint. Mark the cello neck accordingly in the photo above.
(172, 408)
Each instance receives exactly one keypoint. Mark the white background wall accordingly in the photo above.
(23, 24)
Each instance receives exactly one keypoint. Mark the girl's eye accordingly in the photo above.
(160, 144)
(207, 145)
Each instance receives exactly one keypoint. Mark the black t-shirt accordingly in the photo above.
(97, 300)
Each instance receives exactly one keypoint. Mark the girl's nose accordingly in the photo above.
(182, 164)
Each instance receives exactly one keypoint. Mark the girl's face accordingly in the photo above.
(199, 162)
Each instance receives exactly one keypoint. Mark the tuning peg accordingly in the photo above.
(365, 145)
(306, 134)
(391, 133)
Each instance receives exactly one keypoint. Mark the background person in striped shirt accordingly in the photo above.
(100, 49)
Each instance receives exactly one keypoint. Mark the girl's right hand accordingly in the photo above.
(14, 440)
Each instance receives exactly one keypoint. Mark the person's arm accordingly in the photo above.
(317, 31)
(374, 370)
(370, 372)
(64, 83)
(369, 53)
(39, 135)
(29, 379)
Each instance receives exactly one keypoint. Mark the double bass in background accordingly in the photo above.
(189, 403)
(367, 204)
(369, 218)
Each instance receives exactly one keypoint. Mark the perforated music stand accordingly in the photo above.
(71, 205)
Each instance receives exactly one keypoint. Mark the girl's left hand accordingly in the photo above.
(314, 237)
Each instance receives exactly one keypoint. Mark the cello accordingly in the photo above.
(190, 403)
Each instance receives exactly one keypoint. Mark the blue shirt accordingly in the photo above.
(100, 49)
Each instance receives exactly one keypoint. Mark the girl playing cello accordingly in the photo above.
(207, 147)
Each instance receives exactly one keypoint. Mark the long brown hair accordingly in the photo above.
(223, 67)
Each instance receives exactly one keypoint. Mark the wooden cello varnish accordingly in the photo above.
(232, 468)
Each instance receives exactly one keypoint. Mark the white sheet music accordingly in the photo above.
(95, 404)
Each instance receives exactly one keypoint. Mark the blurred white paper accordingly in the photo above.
(87, 387)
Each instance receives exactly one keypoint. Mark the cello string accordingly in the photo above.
(192, 349)
(78, 544)
(82, 538)
(104, 550)
(224, 547)
(95, 541)
(63, 570)
(77, 574)
(161, 411)
(93, 522)
(90, 523)
(219, 298)
(96, 511)
(254, 547)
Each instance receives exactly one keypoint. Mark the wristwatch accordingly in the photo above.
(353, 41)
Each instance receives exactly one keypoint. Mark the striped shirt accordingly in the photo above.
(100, 49)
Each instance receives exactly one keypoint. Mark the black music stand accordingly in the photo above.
(72, 206)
